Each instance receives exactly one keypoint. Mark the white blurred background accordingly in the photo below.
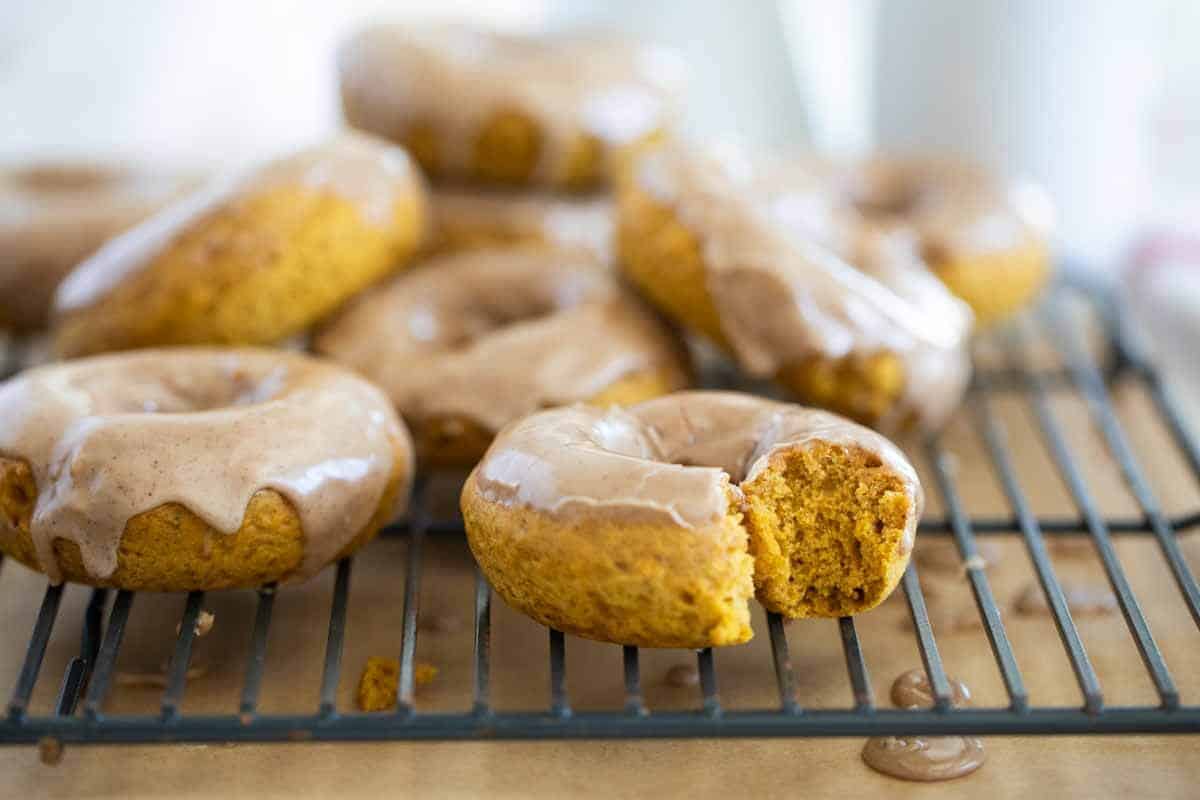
(1098, 100)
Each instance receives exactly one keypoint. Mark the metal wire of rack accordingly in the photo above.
(88, 676)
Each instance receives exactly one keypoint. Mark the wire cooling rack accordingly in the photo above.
(78, 714)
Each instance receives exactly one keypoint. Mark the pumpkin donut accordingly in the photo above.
(504, 109)
(181, 470)
(53, 215)
(729, 249)
(250, 259)
(469, 342)
(985, 238)
(655, 525)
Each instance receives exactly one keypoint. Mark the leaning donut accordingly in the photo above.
(728, 248)
(251, 259)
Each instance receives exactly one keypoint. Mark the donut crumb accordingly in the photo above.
(50, 750)
(827, 530)
(682, 676)
(204, 623)
(379, 684)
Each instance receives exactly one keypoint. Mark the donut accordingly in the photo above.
(53, 215)
(250, 259)
(505, 109)
(725, 247)
(655, 525)
(195, 468)
(986, 239)
(469, 342)
(473, 218)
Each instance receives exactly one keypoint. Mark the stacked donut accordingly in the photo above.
(180, 464)
(511, 257)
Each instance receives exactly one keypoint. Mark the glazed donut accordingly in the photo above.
(471, 218)
(183, 470)
(986, 239)
(726, 247)
(506, 109)
(653, 526)
(54, 215)
(251, 259)
(467, 343)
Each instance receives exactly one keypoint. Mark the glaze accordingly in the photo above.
(676, 458)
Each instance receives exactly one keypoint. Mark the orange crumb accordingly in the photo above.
(379, 685)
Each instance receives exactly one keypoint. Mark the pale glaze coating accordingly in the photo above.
(955, 209)
(363, 170)
(455, 78)
(110, 437)
(558, 220)
(492, 335)
(53, 215)
(787, 285)
(674, 459)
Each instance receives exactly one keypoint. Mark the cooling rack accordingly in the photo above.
(78, 714)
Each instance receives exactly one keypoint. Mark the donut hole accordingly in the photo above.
(885, 194)
(827, 527)
(496, 289)
(65, 177)
(493, 313)
(182, 386)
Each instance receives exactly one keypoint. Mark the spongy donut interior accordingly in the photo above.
(827, 527)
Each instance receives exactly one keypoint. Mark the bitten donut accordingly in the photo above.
(653, 526)
(195, 469)
(505, 109)
(467, 343)
(250, 259)
(52, 216)
(986, 239)
(726, 247)
(466, 219)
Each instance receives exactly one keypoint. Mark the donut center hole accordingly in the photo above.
(492, 308)
(64, 178)
(885, 197)
(497, 313)
(183, 392)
